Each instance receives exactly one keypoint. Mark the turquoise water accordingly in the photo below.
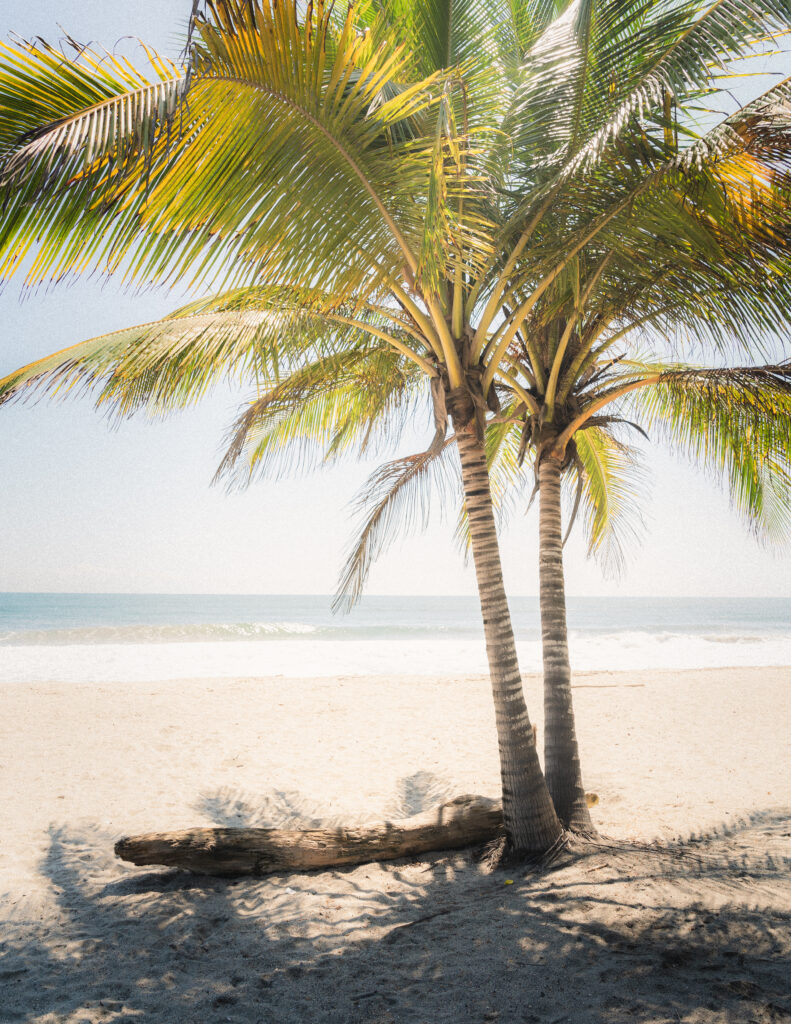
(95, 637)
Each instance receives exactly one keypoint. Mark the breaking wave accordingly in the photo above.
(156, 634)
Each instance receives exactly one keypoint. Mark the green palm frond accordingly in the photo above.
(477, 39)
(451, 33)
(610, 478)
(73, 133)
(353, 402)
(729, 187)
(252, 334)
(736, 423)
(158, 366)
(609, 65)
(324, 191)
(67, 117)
(509, 464)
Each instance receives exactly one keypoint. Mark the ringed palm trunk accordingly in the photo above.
(531, 824)
(561, 752)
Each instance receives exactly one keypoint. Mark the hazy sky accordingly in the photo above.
(84, 507)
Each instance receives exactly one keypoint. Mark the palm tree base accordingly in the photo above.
(572, 803)
(500, 854)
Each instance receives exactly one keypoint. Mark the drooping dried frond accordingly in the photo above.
(395, 500)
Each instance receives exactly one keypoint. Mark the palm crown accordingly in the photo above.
(426, 173)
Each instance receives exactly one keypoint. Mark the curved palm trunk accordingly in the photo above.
(561, 753)
(530, 820)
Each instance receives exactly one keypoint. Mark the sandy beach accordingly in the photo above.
(681, 913)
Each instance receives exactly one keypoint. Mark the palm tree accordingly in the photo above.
(425, 173)
(692, 279)
(734, 421)
(303, 161)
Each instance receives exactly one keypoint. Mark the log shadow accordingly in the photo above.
(619, 933)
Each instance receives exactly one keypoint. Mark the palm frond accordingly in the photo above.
(252, 334)
(394, 500)
(350, 402)
(157, 366)
(325, 190)
(610, 478)
(629, 57)
(80, 112)
(736, 423)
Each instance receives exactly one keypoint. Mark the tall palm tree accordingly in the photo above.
(420, 172)
(735, 420)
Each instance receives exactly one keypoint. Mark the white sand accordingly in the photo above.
(693, 931)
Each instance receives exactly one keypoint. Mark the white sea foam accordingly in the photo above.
(309, 657)
(155, 633)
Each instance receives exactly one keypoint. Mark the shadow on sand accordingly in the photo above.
(695, 932)
(291, 809)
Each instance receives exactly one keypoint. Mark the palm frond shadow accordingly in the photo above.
(292, 809)
(618, 933)
(724, 857)
(419, 792)
(275, 809)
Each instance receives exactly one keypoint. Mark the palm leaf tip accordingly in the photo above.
(736, 423)
(394, 501)
(609, 479)
(73, 117)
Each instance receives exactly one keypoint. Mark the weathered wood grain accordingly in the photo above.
(464, 821)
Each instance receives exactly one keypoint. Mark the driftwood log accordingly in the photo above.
(465, 821)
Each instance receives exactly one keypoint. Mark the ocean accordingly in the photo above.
(147, 637)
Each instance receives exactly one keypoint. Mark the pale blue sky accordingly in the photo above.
(84, 507)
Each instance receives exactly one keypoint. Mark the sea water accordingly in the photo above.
(147, 637)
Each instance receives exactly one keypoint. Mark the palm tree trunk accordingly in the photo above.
(531, 824)
(561, 752)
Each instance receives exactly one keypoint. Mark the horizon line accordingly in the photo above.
(471, 596)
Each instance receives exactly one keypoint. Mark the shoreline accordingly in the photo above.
(312, 659)
(528, 677)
